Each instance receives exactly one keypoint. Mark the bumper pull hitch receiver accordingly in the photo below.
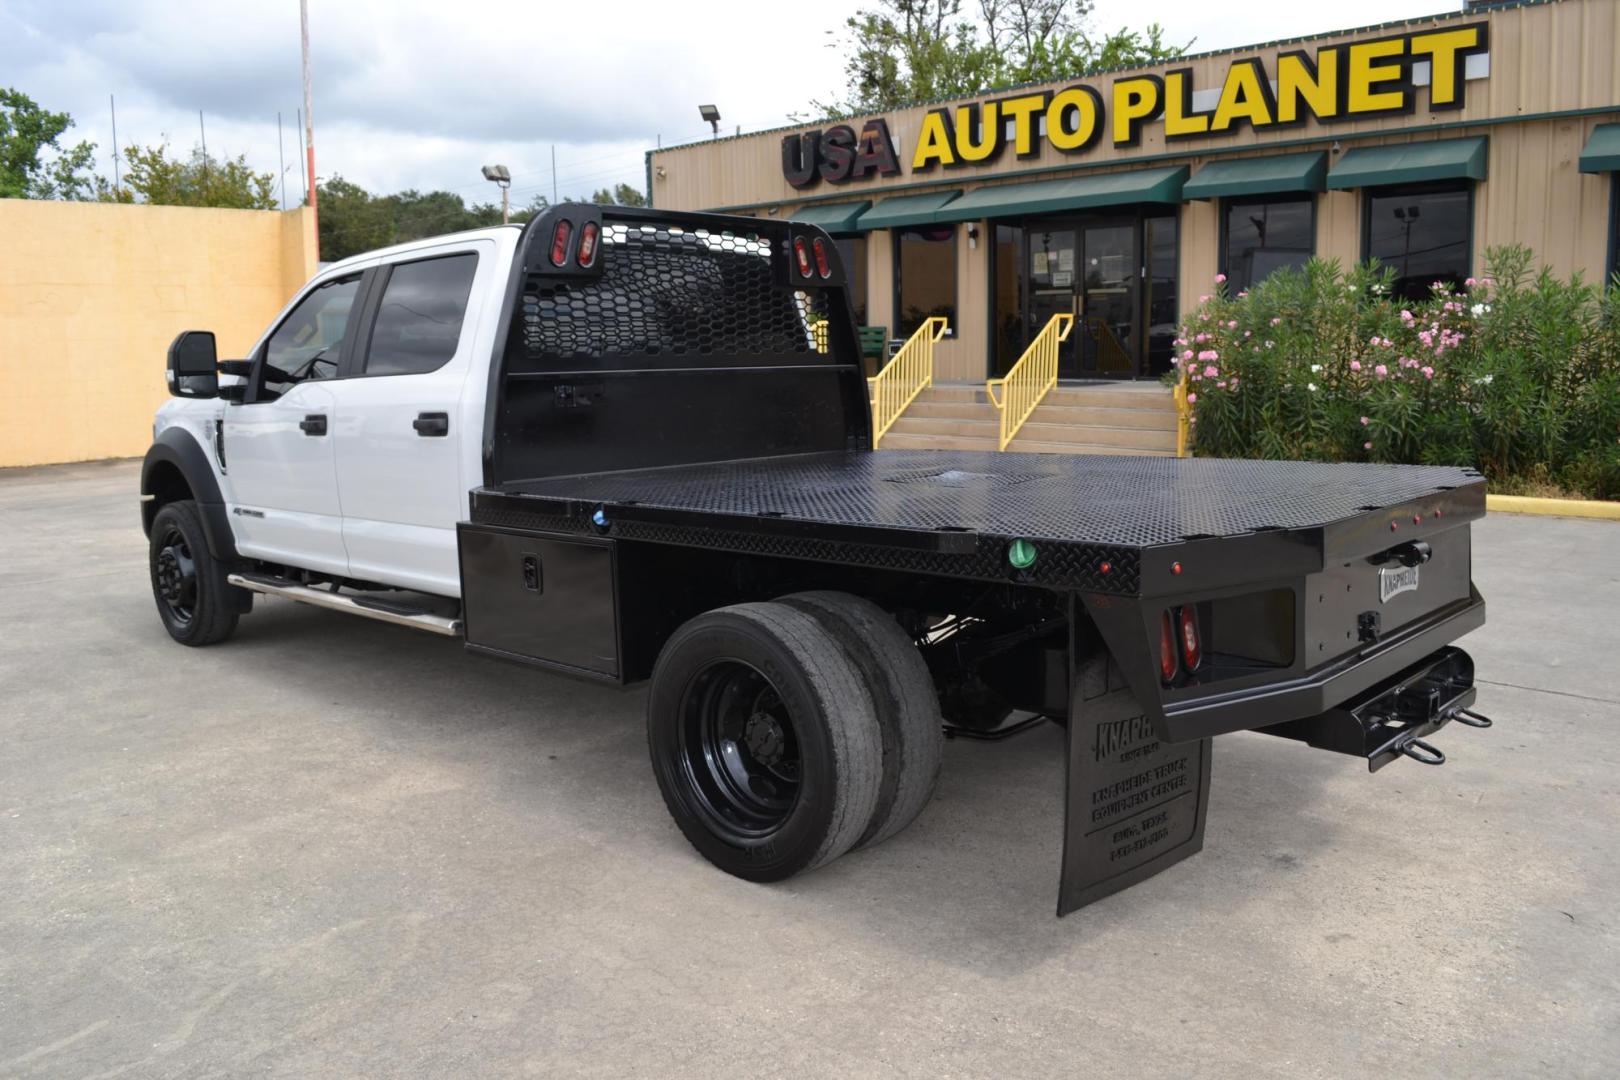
(1392, 719)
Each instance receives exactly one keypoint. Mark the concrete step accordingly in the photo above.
(1134, 438)
(949, 409)
(900, 441)
(1023, 447)
(1100, 395)
(1148, 397)
(1088, 416)
(922, 425)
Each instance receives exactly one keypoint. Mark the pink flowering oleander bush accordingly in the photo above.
(1516, 373)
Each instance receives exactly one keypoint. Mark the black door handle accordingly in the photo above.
(431, 424)
(313, 424)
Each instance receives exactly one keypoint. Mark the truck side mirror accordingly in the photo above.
(194, 365)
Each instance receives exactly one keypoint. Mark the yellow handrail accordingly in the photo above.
(904, 377)
(1027, 381)
(1183, 415)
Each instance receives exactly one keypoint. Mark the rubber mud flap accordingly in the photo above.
(1134, 805)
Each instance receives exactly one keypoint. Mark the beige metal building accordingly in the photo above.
(1120, 197)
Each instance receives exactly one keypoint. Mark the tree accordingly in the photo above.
(201, 180)
(352, 220)
(906, 51)
(621, 195)
(26, 133)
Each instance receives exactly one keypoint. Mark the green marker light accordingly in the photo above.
(1021, 553)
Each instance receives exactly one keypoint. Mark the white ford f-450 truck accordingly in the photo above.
(635, 445)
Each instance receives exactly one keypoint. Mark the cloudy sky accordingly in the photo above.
(413, 93)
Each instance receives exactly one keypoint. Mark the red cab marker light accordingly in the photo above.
(1175, 568)
(823, 264)
(587, 243)
(1106, 567)
(801, 254)
(1167, 648)
(1394, 525)
(1437, 513)
(1417, 519)
(560, 236)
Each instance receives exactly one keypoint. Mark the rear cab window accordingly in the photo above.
(420, 314)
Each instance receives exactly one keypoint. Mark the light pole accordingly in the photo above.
(712, 115)
(309, 117)
(501, 178)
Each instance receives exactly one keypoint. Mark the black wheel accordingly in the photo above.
(907, 708)
(764, 740)
(197, 605)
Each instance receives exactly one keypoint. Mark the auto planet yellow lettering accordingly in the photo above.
(1136, 101)
(934, 143)
(1180, 121)
(1022, 111)
(1337, 82)
(1378, 77)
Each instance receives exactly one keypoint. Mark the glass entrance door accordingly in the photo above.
(1052, 285)
(1118, 274)
(1109, 311)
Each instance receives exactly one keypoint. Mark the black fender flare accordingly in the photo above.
(178, 447)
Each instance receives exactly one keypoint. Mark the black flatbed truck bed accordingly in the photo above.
(645, 464)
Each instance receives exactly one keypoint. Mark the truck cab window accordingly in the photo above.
(419, 323)
(309, 342)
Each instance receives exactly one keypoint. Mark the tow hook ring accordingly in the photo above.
(1471, 718)
(1422, 752)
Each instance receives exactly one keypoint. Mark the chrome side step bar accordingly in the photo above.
(303, 594)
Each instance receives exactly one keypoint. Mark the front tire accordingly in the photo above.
(764, 740)
(197, 605)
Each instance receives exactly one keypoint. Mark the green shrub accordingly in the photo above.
(1517, 373)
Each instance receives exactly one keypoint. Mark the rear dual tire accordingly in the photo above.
(784, 734)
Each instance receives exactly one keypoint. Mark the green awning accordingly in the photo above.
(1078, 193)
(836, 218)
(1602, 152)
(1259, 176)
(898, 210)
(1410, 163)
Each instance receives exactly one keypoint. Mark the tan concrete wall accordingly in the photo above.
(92, 294)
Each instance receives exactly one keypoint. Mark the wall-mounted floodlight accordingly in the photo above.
(712, 115)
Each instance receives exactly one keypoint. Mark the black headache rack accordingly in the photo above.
(636, 337)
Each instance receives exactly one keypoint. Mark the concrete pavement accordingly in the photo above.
(334, 848)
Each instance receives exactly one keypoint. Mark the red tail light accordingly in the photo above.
(587, 243)
(1167, 648)
(823, 266)
(1191, 653)
(559, 242)
(801, 252)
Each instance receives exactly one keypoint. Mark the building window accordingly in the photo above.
(1263, 235)
(1424, 232)
(1007, 335)
(1159, 241)
(852, 249)
(924, 276)
(1614, 227)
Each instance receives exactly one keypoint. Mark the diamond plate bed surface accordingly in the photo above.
(1126, 501)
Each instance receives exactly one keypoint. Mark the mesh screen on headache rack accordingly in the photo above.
(666, 291)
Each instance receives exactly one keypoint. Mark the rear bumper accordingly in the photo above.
(1326, 687)
(1392, 718)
